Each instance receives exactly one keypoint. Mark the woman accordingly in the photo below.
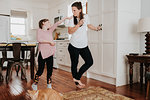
(79, 43)
(46, 50)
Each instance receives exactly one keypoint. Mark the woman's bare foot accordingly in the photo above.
(78, 81)
(79, 86)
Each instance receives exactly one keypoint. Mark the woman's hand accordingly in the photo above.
(81, 22)
(90, 26)
(99, 28)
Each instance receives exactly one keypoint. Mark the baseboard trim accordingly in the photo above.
(102, 78)
(65, 68)
(98, 77)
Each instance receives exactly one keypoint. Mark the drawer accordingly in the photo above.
(60, 60)
(60, 51)
(60, 44)
(66, 44)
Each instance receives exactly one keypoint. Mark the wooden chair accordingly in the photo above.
(2, 60)
(148, 85)
(16, 62)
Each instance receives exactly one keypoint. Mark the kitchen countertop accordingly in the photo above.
(61, 40)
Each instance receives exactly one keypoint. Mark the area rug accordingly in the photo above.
(94, 93)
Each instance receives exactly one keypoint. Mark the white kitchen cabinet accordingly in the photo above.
(62, 54)
(36, 16)
(67, 55)
(117, 38)
(60, 59)
(102, 43)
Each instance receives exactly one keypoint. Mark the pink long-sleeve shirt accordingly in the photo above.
(46, 49)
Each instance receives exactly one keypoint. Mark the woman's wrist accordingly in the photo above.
(96, 29)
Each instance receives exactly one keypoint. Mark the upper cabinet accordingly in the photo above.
(61, 10)
(38, 14)
(56, 10)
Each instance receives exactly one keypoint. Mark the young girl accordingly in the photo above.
(46, 50)
(79, 43)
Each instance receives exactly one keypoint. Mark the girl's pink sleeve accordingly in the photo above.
(54, 26)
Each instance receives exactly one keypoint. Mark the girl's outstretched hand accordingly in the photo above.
(69, 17)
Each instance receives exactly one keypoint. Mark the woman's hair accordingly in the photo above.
(41, 22)
(79, 6)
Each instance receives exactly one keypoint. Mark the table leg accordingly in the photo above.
(32, 62)
(141, 74)
(131, 73)
(1, 76)
(1, 66)
(146, 70)
(22, 52)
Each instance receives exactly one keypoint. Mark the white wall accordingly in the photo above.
(145, 12)
(128, 38)
(4, 7)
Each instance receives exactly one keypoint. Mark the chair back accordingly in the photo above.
(16, 51)
(16, 47)
(4, 53)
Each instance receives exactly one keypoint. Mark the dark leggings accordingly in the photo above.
(41, 65)
(74, 55)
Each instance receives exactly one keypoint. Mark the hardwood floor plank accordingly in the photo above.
(61, 82)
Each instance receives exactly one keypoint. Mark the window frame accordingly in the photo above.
(25, 24)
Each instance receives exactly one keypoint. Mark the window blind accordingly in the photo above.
(20, 14)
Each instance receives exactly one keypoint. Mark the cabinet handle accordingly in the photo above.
(60, 50)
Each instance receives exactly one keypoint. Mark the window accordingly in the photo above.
(18, 26)
(18, 22)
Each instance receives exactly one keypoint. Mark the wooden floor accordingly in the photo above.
(62, 82)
